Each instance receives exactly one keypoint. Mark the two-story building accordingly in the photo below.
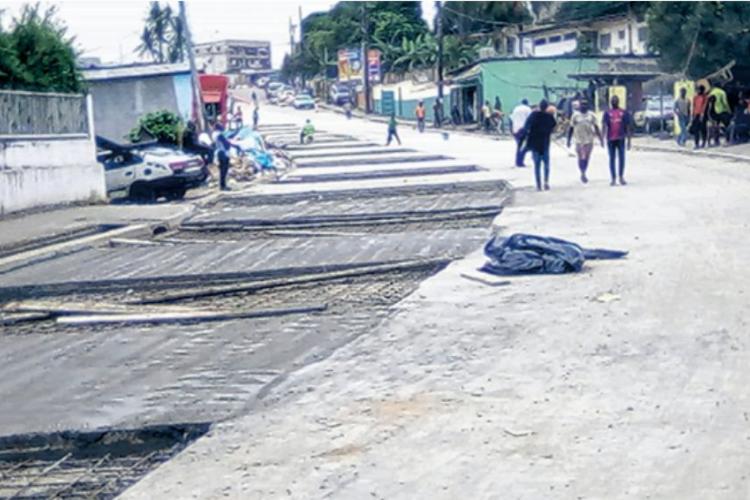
(241, 60)
(613, 35)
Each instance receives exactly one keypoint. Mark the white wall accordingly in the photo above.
(621, 45)
(41, 172)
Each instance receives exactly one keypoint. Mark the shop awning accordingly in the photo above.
(471, 76)
(211, 96)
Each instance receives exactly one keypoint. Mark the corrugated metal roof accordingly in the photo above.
(134, 71)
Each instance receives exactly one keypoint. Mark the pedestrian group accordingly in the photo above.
(532, 130)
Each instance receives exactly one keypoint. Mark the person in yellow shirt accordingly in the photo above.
(719, 112)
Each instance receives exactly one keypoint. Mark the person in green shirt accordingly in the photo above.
(392, 132)
(719, 113)
(307, 131)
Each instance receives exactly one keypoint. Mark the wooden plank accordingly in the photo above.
(254, 286)
(177, 317)
(58, 308)
(485, 279)
(17, 318)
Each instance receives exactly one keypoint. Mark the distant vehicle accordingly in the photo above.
(272, 88)
(339, 94)
(148, 172)
(303, 101)
(654, 113)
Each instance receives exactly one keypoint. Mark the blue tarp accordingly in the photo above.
(531, 254)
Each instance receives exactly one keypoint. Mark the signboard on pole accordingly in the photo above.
(350, 65)
(373, 62)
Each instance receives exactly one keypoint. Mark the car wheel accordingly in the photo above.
(176, 194)
(142, 193)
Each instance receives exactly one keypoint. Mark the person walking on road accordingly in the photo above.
(617, 126)
(498, 115)
(392, 132)
(682, 110)
(256, 117)
(583, 129)
(420, 113)
(487, 116)
(539, 127)
(437, 113)
(518, 128)
(698, 125)
(719, 112)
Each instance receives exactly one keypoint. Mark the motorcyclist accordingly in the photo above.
(307, 133)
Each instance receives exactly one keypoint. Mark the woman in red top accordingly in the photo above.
(698, 126)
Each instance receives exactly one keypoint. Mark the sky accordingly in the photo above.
(109, 29)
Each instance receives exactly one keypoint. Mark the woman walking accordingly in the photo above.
(583, 129)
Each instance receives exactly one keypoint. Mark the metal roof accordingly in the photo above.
(134, 71)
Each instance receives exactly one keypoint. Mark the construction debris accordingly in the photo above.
(181, 317)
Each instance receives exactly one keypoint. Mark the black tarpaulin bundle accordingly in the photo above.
(531, 254)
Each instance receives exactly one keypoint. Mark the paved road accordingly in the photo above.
(126, 376)
(628, 380)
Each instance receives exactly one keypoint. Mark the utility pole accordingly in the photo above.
(301, 42)
(366, 60)
(196, 84)
(439, 21)
(291, 37)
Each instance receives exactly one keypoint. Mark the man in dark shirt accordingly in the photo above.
(539, 127)
(617, 128)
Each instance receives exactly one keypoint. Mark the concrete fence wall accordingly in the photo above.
(47, 151)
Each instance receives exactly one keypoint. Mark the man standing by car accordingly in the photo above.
(222, 147)
(617, 126)
(682, 111)
(517, 127)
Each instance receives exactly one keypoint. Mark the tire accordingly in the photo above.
(176, 194)
(141, 192)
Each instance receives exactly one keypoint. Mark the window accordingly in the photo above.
(555, 39)
(510, 45)
(642, 34)
(570, 36)
(621, 34)
(540, 41)
(605, 41)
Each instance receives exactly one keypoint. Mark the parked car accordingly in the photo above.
(148, 172)
(303, 101)
(272, 88)
(339, 94)
(650, 118)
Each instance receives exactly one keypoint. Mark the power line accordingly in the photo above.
(475, 19)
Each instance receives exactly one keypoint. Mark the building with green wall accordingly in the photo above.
(513, 79)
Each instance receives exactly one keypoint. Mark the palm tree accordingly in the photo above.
(163, 36)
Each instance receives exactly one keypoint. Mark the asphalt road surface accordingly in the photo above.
(339, 210)
(627, 380)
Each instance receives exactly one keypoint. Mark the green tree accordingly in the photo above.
(699, 38)
(457, 53)
(583, 11)
(389, 23)
(37, 54)
(466, 18)
(163, 36)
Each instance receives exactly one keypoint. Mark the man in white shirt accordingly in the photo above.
(518, 123)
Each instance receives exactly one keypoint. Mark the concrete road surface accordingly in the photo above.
(627, 380)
